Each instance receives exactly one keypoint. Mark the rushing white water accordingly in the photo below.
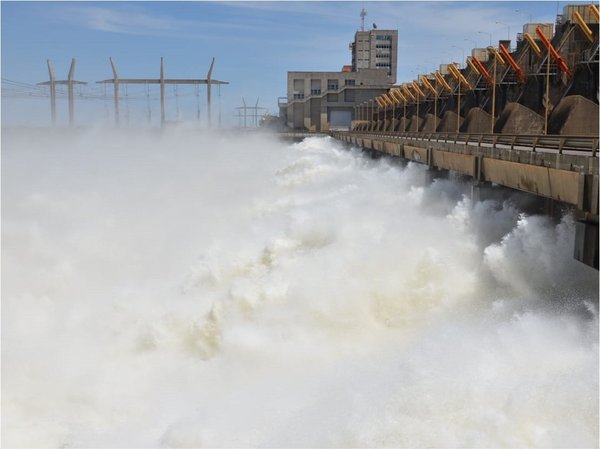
(181, 290)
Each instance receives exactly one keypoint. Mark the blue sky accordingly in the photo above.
(255, 44)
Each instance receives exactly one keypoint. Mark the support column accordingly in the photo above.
(494, 96)
(162, 93)
(417, 115)
(52, 93)
(433, 173)
(71, 93)
(245, 112)
(116, 90)
(586, 243)
(307, 120)
(208, 95)
(458, 110)
(256, 113)
(480, 191)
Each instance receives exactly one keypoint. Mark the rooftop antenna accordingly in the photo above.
(363, 14)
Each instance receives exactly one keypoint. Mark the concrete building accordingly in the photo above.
(319, 101)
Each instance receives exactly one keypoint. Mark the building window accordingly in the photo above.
(384, 37)
(350, 82)
(332, 85)
(298, 96)
(315, 91)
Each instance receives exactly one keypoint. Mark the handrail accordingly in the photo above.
(553, 142)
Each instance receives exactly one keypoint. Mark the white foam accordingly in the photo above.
(186, 290)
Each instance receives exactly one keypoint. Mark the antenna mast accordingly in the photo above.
(363, 14)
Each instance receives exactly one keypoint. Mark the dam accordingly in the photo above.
(358, 280)
(523, 117)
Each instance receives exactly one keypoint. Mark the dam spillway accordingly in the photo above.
(559, 168)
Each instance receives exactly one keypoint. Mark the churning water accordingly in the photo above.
(180, 290)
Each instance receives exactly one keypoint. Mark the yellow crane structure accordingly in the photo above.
(533, 44)
(513, 64)
(586, 30)
(441, 81)
(458, 76)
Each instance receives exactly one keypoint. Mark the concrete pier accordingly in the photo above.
(586, 243)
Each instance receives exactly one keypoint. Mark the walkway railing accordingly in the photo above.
(553, 143)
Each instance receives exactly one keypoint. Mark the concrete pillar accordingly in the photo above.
(307, 119)
(323, 116)
(480, 191)
(162, 93)
(433, 173)
(586, 243)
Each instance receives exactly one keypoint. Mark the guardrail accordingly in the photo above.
(300, 134)
(555, 143)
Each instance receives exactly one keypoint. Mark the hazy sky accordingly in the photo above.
(255, 44)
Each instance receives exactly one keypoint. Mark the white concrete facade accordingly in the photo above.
(314, 98)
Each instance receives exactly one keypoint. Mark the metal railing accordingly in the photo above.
(554, 143)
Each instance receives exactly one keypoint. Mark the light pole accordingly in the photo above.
(463, 55)
(492, 54)
(471, 40)
(547, 105)
(384, 116)
(489, 34)
(458, 109)
(435, 88)
(507, 27)
(404, 119)
(417, 122)
(523, 13)
(392, 127)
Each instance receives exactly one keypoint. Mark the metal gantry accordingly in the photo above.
(70, 82)
(162, 81)
(253, 115)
